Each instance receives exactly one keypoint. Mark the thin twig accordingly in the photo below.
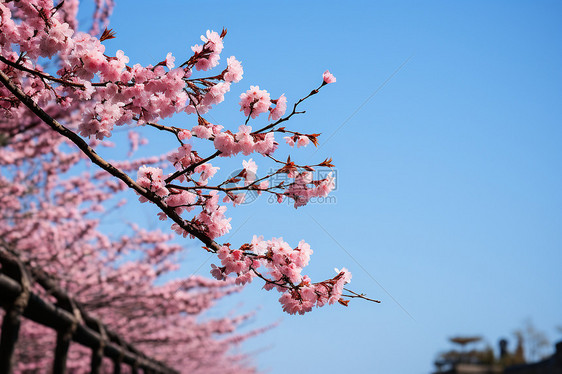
(313, 92)
(360, 296)
(191, 167)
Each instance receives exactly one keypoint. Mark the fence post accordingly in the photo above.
(117, 361)
(117, 366)
(12, 318)
(64, 337)
(10, 331)
(97, 353)
(135, 367)
(61, 351)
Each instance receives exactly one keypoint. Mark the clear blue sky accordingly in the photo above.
(449, 198)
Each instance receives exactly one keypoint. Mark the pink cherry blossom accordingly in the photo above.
(280, 108)
(245, 140)
(92, 93)
(152, 179)
(234, 71)
(169, 61)
(289, 140)
(254, 102)
(303, 141)
(215, 95)
(202, 132)
(250, 166)
(213, 41)
(328, 77)
(184, 135)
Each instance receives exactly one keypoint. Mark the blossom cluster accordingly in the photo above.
(54, 220)
(305, 188)
(151, 178)
(212, 220)
(245, 141)
(284, 266)
(95, 92)
(123, 93)
(308, 295)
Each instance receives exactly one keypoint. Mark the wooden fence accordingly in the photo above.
(66, 317)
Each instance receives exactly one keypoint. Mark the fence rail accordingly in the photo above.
(67, 318)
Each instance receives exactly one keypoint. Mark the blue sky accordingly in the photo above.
(445, 127)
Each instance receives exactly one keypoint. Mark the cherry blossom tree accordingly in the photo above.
(51, 207)
(50, 220)
(61, 99)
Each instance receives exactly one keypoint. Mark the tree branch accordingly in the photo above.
(191, 167)
(102, 163)
(15, 65)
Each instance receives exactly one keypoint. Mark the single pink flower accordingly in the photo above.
(234, 71)
(280, 108)
(254, 101)
(328, 77)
